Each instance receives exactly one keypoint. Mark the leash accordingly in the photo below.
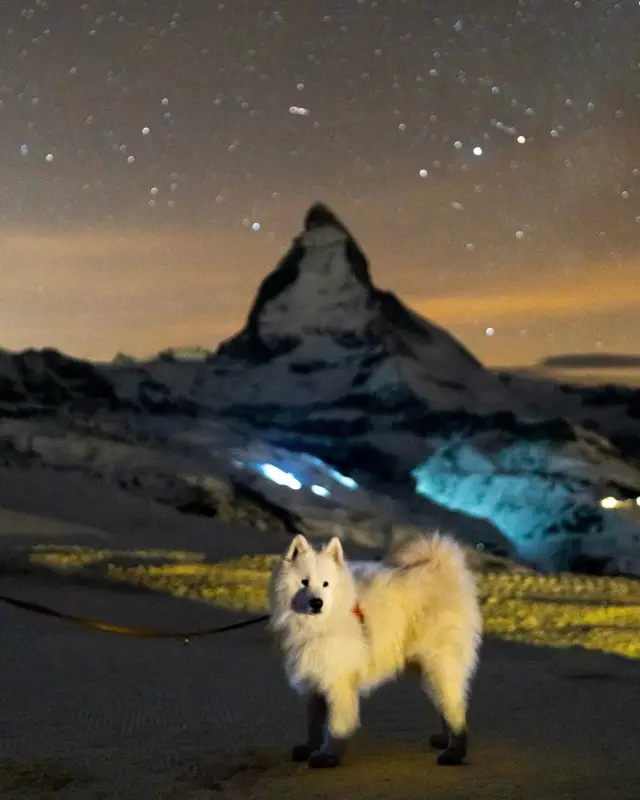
(124, 630)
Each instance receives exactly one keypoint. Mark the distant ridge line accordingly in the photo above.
(592, 360)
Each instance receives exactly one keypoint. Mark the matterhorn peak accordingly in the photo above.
(319, 331)
(323, 228)
(321, 286)
(320, 216)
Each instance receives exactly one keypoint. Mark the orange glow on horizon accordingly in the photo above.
(93, 293)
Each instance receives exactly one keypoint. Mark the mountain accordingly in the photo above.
(320, 330)
(41, 381)
(184, 353)
(331, 371)
(605, 407)
(325, 356)
(331, 365)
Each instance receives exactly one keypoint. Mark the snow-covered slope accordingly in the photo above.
(202, 466)
(611, 410)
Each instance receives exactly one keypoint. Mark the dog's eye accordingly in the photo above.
(325, 584)
(305, 581)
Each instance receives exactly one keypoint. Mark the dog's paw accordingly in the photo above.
(439, 741)
(455, 752)
(300, 752)
(323, 760)
(451, 757)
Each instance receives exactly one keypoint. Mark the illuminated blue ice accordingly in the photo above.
(343, 479)
(279, 476)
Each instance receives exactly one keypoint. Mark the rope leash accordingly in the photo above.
(125, 630)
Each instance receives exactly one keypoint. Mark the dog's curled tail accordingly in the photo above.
(436, 550)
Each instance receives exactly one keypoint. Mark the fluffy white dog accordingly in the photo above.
(344, 630)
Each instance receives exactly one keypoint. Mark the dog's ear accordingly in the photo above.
(298, 546)
(334, 549)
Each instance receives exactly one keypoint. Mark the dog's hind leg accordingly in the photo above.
(316, 724)
(446, 680)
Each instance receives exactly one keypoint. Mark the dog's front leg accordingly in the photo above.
(343, 717)
(316, 724)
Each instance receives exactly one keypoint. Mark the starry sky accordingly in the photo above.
(157, 157)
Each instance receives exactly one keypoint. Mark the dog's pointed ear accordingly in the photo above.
(299, 545)
(334, 549)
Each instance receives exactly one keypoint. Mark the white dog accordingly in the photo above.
(344, 631)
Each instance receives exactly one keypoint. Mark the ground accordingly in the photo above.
(96, 716)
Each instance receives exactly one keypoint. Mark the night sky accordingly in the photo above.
(157, 157)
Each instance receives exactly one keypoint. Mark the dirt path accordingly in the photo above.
(92, 716)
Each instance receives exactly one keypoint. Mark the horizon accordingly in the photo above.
(214, 305)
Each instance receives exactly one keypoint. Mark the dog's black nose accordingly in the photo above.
(315, 604)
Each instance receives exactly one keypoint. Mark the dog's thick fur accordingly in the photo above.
(343, 631)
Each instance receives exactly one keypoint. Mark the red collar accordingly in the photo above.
(357, 611)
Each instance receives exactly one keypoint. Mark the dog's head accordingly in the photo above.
(310, 582)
